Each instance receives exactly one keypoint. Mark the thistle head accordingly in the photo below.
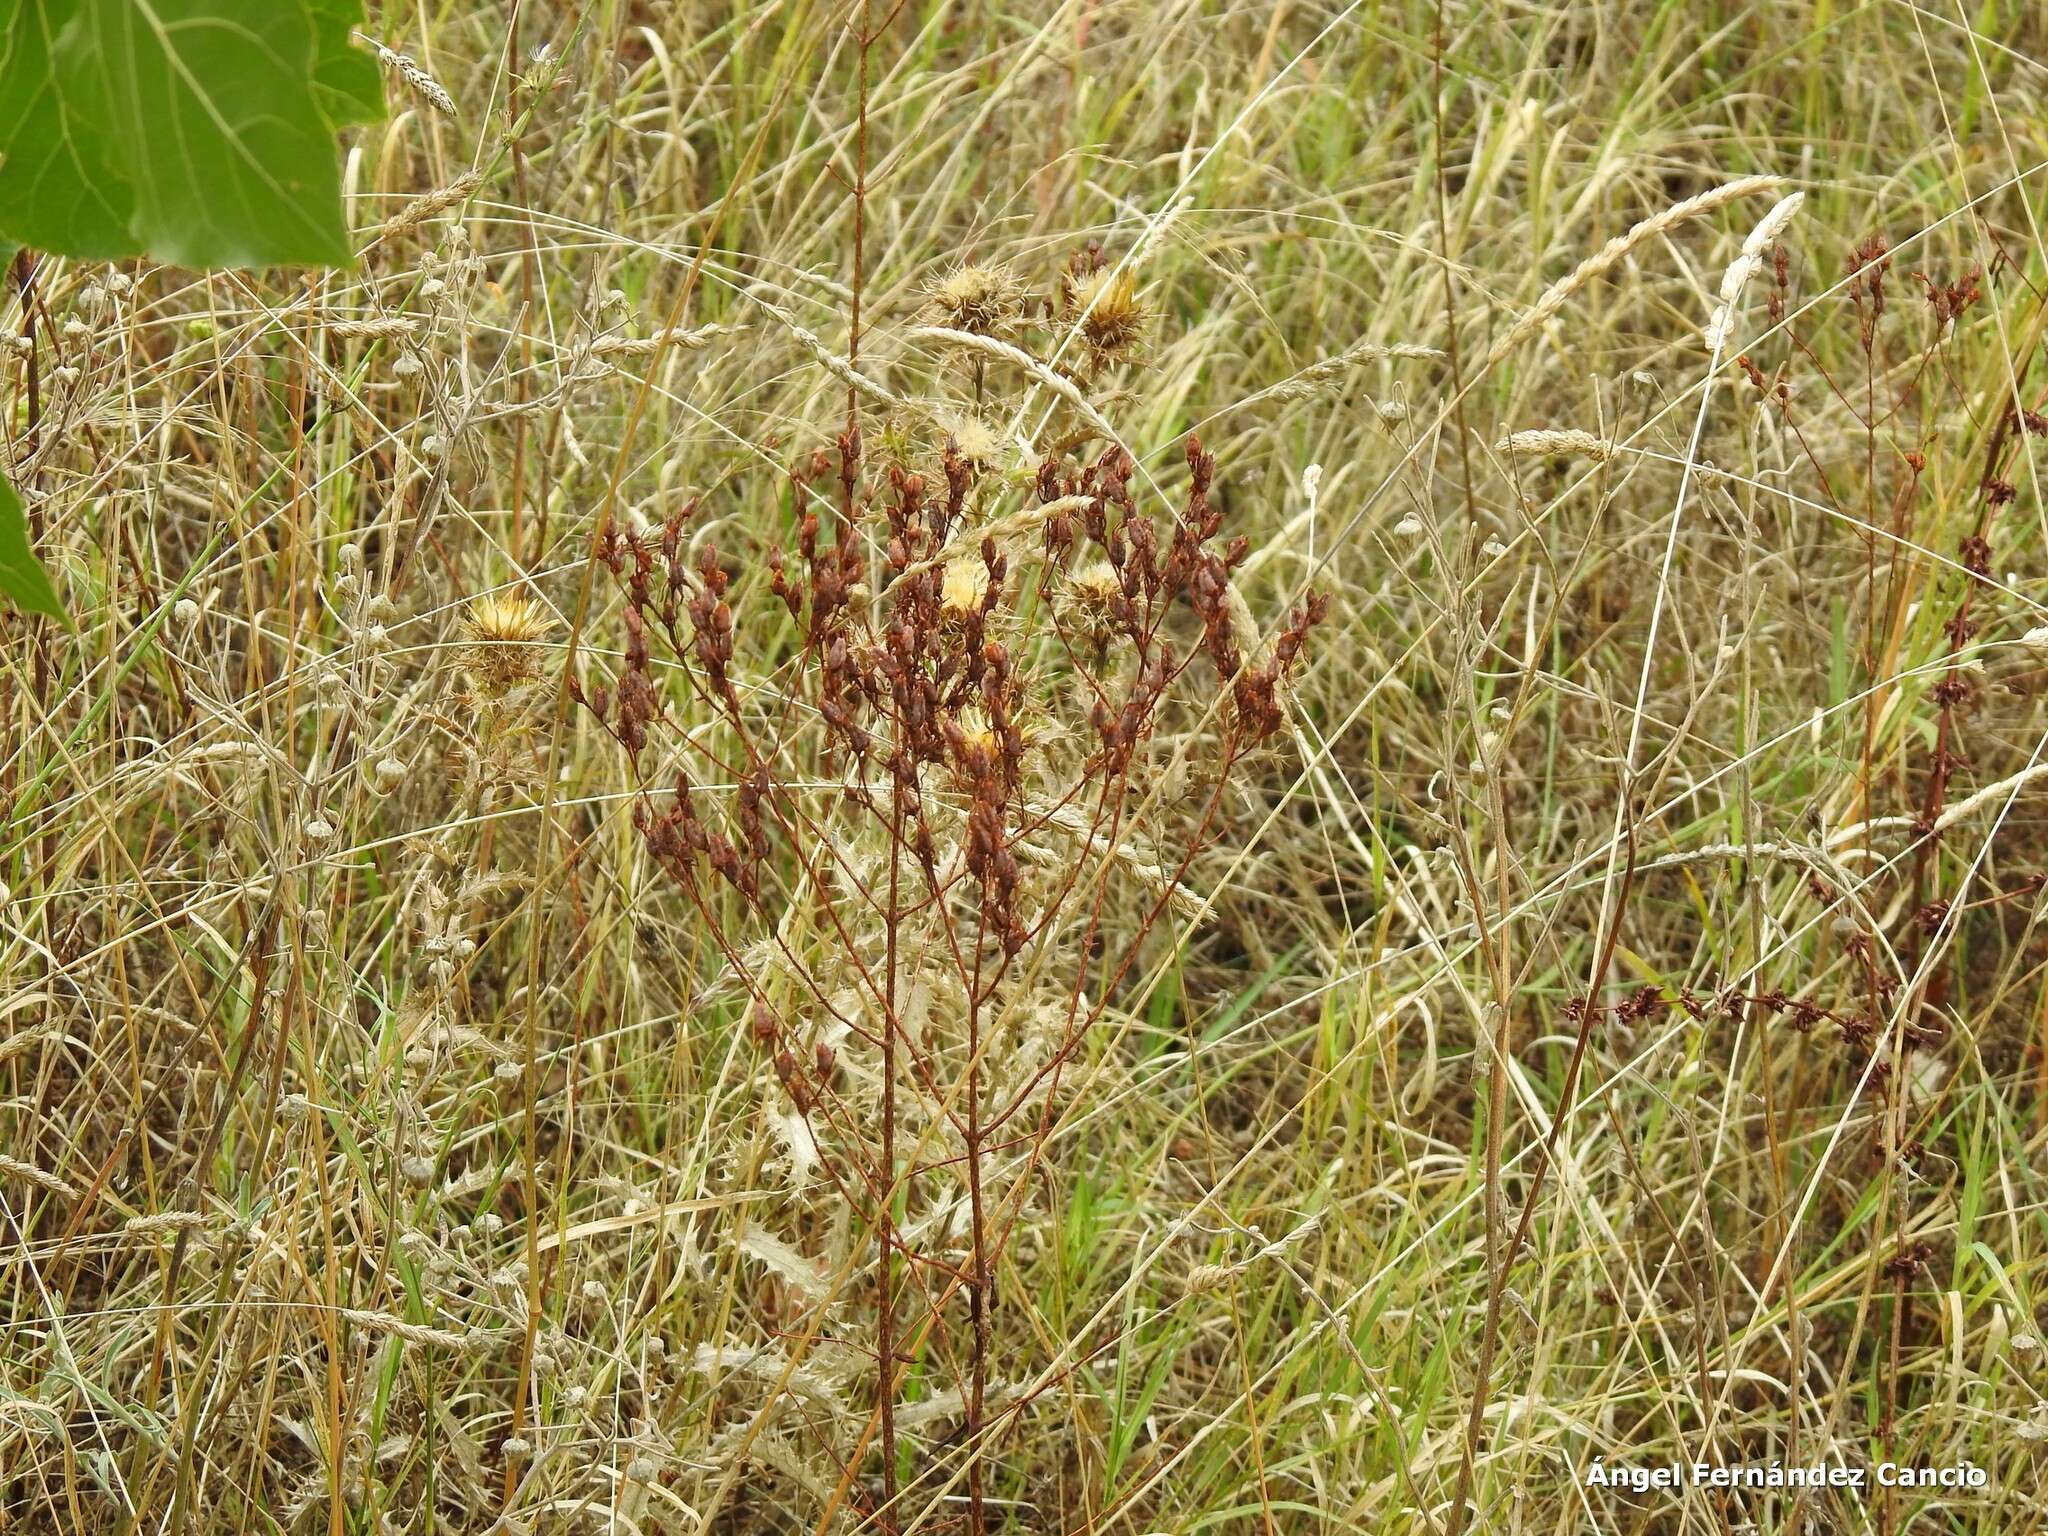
(1089, 603)
(983, 300)
(978, 746)
(1096, 585)
(506, 632)
(971, 441)
(1109, 312)
(964, 587)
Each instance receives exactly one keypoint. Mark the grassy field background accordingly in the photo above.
(1606, 1022)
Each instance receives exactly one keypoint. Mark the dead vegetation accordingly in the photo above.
(1102, 768)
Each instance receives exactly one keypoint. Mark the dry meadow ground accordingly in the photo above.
(689, 873)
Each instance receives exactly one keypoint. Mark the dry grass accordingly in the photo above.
(1609, 1023)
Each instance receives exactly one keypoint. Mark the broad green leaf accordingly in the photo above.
(22, 576)
(346, 80)
(57, 186)
(200, 132)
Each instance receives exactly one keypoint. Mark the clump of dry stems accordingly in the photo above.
(918, 820)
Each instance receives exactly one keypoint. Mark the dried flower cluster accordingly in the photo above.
(906, 848)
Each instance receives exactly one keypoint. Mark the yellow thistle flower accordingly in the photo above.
(506, 632)
(972, 440)
(1110, 312)
(964, 587)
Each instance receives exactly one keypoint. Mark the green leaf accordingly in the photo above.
(22, 577)
(346, 80)
(200, 132)
(57, 188)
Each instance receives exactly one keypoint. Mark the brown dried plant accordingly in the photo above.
(908, 815)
